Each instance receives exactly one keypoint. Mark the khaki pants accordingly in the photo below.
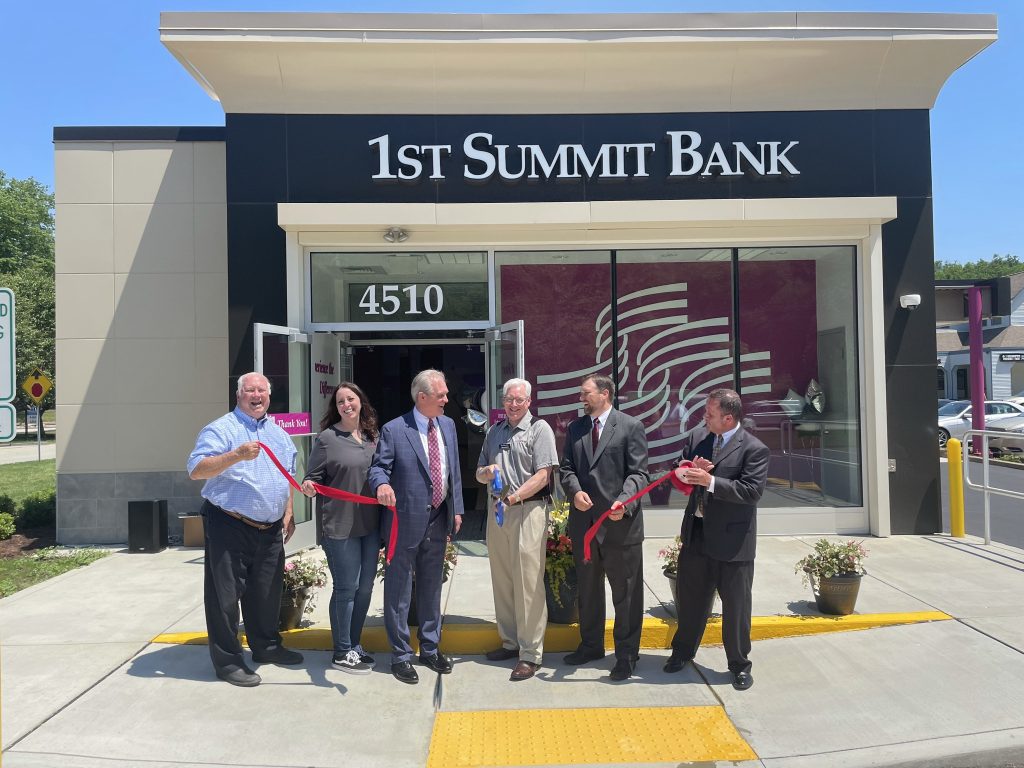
(516, 552)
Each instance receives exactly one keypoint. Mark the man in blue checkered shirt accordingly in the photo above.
(248, 519)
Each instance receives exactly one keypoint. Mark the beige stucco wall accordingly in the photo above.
(141, 273)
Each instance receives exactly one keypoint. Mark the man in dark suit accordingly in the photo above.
(416, 467)
(604, 463)
(719, 534)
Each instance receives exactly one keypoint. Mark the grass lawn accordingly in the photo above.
(28, 477)
(20, 572)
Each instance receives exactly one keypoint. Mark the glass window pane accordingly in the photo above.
(564, 301)
(798, 320)
(402, 288)
(675, 331)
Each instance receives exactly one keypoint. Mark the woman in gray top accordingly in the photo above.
(349, 532)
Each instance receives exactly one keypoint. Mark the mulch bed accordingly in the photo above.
(30, 539)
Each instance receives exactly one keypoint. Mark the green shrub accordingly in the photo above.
(7, 504)
(6, 526)
(39, 510)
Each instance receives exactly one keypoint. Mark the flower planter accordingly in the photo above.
(672, 586)
(565, 610)
(293, 605)
(837, 595)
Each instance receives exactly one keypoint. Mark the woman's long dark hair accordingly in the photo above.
(367, 414)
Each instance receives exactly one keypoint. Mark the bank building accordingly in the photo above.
(679, 201)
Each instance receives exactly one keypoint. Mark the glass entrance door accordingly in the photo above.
(282, 355)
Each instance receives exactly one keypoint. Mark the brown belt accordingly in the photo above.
(247, 521)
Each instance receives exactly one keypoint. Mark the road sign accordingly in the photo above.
(36, 385)
(6, 345)
(8, 422)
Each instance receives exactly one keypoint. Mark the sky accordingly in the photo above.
(77, 63)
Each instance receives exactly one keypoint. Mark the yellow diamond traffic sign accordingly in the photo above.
(36, 385)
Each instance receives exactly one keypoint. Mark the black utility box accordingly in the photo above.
(147, 525)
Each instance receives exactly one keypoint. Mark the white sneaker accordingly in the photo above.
(351, 663)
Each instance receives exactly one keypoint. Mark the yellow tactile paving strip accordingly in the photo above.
(585, 736)
(468, 639)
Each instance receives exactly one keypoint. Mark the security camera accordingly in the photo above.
(910, 301)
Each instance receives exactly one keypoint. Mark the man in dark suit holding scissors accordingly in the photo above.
(416, 468)
(729, 473)
(605, 463)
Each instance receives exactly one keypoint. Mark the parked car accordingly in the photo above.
(1012, 442)
(944, 400)
(955, 417)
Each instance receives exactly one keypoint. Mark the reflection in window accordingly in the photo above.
(798, 308)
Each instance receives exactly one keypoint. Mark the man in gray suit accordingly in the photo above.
(416, 468)
(729, 474)
(605, 462)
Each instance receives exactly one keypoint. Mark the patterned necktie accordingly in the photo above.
(717, 446)
(434, 455)
(595, 434)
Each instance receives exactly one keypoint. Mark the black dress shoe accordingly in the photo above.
(582, 655)
(242, 677)
(742, 681)
(675, 663)
(502, 654)
(277, 655)
(405, 672)
(437, 662)
(622, 670)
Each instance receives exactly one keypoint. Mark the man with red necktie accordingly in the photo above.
(605, 463)
(416, 468)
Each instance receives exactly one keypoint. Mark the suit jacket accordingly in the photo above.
(614, 472)
(730, 513)
(401, 462)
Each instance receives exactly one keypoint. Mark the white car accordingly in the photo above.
(955, 417)
(1013, 442)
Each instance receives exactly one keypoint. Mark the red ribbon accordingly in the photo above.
(670, 475)
(334, 493)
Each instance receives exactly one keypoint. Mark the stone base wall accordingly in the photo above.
(92, 508)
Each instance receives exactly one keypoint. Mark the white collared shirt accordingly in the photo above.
(422, 424)
(726, 437)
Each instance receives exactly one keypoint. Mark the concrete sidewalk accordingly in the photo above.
(84, 686)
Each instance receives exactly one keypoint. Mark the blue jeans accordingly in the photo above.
(353, 564)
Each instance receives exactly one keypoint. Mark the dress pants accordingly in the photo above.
(624, 568)
(242, 564)
(516, 553)
(426, 559)
(697, 577)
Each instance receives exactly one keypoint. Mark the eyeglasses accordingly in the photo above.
(516, 400)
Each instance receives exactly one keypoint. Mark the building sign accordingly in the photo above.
(401, 303)
(487, 157)
(1011, 357)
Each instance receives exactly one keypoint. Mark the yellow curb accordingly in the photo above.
(477, 638)
(618, 735)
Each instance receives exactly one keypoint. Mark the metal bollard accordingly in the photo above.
(954, 453)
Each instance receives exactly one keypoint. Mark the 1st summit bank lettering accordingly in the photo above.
(689, 156)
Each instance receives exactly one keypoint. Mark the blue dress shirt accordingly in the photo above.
(256, 488)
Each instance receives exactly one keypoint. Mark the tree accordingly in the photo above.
(982, 269)
(26, 267)
(26, 224)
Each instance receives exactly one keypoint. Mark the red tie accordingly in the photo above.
(434, 455)
(595, 435)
